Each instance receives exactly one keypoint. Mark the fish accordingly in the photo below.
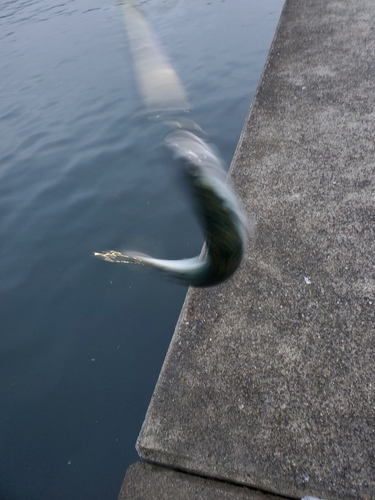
(223, 220)
(224, 223)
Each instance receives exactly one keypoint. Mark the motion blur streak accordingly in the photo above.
(223, 221)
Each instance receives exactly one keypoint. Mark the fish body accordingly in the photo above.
(222, 218)
(221, 215)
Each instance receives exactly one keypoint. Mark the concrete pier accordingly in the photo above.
(145, 481)
(269, 381)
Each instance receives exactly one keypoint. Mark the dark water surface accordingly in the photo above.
(82, 169)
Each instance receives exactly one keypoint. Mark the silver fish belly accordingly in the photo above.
(222, 218)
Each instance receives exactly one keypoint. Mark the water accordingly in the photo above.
(82, 169)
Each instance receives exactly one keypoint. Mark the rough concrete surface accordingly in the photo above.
(149, 482)
(270, 377)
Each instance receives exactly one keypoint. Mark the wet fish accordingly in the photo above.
(223, 220)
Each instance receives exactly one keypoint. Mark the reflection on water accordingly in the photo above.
(81, 168)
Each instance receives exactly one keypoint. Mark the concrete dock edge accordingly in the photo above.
(269, 381)
(145, 481)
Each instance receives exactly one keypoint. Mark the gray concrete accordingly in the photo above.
(270, 378)
(149, 482)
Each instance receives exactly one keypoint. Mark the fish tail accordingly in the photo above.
(114, 256)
